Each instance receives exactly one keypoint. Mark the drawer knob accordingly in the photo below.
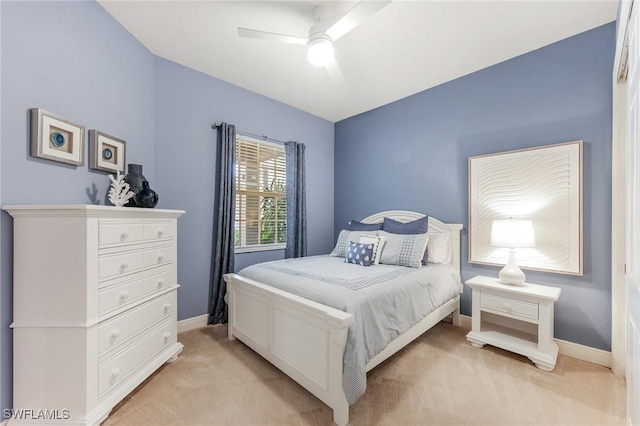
(115, 372)
(161, 257)
(124, 295)
(160, 233)
(167, 306)
(124, 235)
(124, 265)
(115, 333)
(167, 336)
(160, 283)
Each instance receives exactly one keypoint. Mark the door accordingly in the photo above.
(633, 222)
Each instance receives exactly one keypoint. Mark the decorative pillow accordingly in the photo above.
(360, 254)
(439, 248)
(403, 249)
(378, 244)
(354, 225)
(418, 226)
(344, 238)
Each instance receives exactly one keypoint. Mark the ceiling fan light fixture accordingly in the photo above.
(320, 51)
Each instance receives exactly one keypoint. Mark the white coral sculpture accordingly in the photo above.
(119, 192)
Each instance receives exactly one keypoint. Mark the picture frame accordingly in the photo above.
(106, 153)
(55, 138)
(542, 184)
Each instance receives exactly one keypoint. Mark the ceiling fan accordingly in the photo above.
(322, 34)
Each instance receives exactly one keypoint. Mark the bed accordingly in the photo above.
(306, 339)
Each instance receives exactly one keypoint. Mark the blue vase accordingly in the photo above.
(134, 178)
(146, 197)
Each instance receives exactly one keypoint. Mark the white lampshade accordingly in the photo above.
(512, 233)
(320, 51)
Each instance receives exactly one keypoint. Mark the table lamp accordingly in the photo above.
(512, 234)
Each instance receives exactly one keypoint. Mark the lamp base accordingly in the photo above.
(511, 273)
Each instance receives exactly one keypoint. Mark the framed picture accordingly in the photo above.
(543, 185)
(106, 152)
(56, 138)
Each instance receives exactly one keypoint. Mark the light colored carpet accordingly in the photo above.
(439, 379)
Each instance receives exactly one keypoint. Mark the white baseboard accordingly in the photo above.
(574, 350)
(190, 324)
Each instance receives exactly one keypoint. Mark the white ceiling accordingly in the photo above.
(406, 47)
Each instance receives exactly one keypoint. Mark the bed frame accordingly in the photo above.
(305, 339)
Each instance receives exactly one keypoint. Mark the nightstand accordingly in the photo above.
(515, 318)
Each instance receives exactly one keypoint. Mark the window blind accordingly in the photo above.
(261, 208)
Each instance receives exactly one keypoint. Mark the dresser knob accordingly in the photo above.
(124, 236)
(160, 283)
(167, 306)
(167, 336)
(115, 372)
(160, 258)
(123, 266)
(124, 295)
(115, 333)
(160, 233)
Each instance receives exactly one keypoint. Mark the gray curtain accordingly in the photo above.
(296, 201)
(223, 223)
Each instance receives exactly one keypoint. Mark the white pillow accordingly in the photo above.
(378, 244)
(439, 248)
(403, 249)
(344, 238)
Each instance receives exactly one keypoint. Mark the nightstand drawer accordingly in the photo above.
(509, 306)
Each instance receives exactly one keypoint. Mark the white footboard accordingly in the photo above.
(304, 339)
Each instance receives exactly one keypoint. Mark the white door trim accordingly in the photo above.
(618, 202)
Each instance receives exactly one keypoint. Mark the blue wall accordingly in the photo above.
(73, 59)
(421, 145)
(187, 104)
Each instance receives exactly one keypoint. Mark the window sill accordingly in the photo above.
(251, 249)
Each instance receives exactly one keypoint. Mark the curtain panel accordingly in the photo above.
(224, 224)
(296, 201)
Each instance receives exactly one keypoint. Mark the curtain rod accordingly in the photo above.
(253, 135)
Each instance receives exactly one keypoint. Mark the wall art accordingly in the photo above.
(542, 184)
(56, 138)
(106, 152)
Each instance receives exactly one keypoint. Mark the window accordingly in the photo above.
(261, 205)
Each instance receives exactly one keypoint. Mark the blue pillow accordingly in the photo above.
(354, 225)
(419, 226)
(360, 254)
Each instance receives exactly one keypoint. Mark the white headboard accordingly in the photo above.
(435, 226)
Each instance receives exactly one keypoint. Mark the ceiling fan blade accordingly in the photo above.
(335, 73)
(358, 13)
(264, 35)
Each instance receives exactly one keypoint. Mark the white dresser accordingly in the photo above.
(94, 307)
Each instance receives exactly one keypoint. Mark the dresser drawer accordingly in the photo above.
(119, 295)
(158, 281)
(118, 368)
(112, 266)
(158, 256)
(162, 230)
(116, 233)
(118, 330)
(514, 307)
